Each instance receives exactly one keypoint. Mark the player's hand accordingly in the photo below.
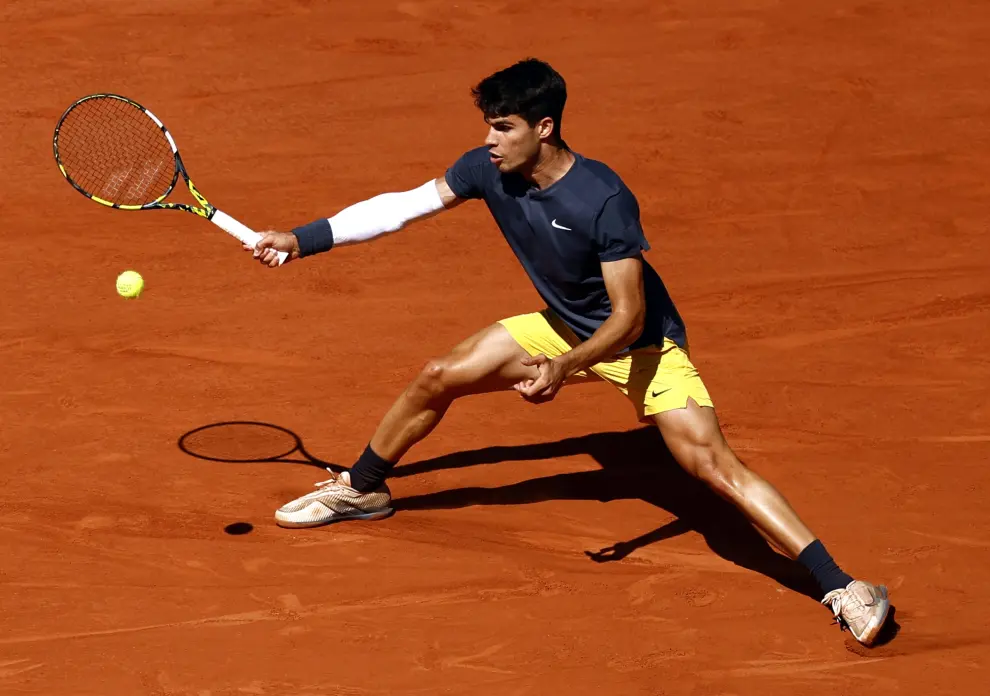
(267, 248)
(544, 387)
(616, 552)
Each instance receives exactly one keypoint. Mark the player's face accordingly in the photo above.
(512, 143)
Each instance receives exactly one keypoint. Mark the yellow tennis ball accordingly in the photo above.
(130, 284)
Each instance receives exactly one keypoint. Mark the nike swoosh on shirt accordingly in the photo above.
(662, 391)
(559, 227)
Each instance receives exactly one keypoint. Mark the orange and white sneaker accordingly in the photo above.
(335, 501)
(860, 607)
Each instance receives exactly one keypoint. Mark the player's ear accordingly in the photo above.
(545, 127)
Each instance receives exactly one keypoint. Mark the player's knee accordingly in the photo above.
(718, 468)
(432, 381)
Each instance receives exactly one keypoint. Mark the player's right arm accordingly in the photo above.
(361, 222)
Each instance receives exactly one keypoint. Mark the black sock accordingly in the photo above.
(369, 472)
(823, 568)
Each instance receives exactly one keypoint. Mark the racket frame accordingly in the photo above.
(208, 210)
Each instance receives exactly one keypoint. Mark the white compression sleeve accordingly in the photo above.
(383, 214)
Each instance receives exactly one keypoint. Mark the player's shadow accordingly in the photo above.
(634, 465)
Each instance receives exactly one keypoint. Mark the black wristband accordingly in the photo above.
(314, 237)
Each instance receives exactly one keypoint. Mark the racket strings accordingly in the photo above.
(113, 150)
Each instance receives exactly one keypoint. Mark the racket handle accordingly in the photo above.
(241, 232)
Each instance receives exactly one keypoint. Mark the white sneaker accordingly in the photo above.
(860, 607)
(334, 501)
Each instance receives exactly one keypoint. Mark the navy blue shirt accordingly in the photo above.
(562, 234)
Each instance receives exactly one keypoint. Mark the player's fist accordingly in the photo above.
(545, 386)
(267, 248)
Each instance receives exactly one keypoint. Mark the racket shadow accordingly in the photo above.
(249, 442)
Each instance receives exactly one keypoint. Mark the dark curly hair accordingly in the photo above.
(530, 89)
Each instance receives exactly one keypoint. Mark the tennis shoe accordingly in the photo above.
(860, 607)
(335, 501)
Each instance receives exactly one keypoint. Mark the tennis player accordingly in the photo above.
(575, 228)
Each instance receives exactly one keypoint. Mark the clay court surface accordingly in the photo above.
(813, 179)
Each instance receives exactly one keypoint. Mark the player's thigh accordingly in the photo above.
(693, 435)
(490, 360)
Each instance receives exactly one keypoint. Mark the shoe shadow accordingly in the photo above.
(635, 465)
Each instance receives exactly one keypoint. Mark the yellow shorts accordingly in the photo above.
(655, 379)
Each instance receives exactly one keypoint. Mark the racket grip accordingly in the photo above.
(241, 232)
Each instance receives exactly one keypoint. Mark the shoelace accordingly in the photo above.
(845, 601)
(333, 479)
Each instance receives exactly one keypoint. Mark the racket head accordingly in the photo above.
(116, 152)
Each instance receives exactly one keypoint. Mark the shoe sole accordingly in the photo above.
(872, 631)
(377, 515)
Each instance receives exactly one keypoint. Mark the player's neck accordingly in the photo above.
(552, 163)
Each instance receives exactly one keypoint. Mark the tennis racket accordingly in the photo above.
(117, 153)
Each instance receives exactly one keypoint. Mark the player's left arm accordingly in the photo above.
(624, 284)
